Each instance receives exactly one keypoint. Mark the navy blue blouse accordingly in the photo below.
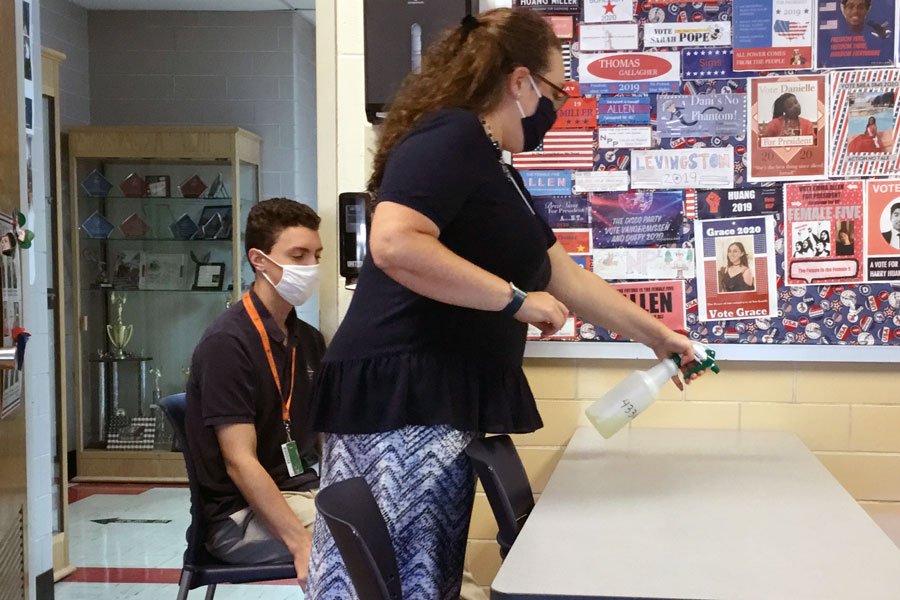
(400, 358)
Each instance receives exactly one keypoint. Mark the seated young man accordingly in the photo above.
(246, 396)
(250, 376)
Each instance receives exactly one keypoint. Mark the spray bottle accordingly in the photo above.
(638, 391)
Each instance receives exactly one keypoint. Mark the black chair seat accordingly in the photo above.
(200, 567)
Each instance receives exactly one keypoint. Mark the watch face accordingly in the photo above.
(656, 15)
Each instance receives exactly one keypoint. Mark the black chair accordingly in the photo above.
(362, 538)
(200, 567)
(505, 483)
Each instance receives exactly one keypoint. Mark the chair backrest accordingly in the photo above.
(174, 408)
(505, 483)
(362, 537)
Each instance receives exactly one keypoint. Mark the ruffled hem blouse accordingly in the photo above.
(399, 358)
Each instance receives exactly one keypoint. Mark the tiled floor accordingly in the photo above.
(138, 560)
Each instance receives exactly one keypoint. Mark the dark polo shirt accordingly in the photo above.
(231, 382)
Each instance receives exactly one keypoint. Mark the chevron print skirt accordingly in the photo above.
(425, 485)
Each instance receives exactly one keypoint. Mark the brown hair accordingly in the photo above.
(466, 68)
(269, 218)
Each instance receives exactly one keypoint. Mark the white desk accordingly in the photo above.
(686, 514)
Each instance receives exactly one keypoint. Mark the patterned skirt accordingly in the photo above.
(425, 485)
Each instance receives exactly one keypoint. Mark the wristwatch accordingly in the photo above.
(517, 299)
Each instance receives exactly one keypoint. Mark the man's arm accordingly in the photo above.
(238, 444)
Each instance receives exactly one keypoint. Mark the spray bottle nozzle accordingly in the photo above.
(703, 356)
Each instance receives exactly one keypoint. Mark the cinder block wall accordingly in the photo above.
(847, 413)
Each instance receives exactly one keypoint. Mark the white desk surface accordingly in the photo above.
(689, 514)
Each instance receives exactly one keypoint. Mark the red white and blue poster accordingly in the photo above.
(735, 268)
(629, 72)
(773, 35)
(856, 33)
(864, 122)
(824, 232)
(662, 299)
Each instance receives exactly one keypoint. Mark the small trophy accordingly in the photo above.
(101, 281)
(157, 394)
(119, 333)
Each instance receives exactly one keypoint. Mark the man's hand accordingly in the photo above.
(301, 563)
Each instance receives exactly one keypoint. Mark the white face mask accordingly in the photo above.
(298, 282)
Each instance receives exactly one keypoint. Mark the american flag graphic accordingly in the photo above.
(690, 204)
(790, 30)
(560, 150)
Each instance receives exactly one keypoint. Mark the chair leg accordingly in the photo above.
(184, 586)
(210, 591)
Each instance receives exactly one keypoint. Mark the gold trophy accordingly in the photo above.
(119, 333)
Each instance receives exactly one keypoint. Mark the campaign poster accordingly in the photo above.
(824, 232)
(701, 115)
(608, 11)
(564, 212)
(623, 137)
(623, 110)
(562, 7)
(556, 182)
(883, 231)
(864, 123)
(773, 35)
(856, 33)
(709, 63)
(662, 299)
(574, 241)
(601, 181)
(682, 169)
(643, 263)
(735, 268)
(601, 37)
(682, 35)
(787, 127)
(577, 113)
(629, 73)
(563, 25)
(746, 202)
(636, 218)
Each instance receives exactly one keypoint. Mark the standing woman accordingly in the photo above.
(429, 355)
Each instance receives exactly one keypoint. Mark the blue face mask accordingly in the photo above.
(536, 126)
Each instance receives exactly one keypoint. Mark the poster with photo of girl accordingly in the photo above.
(825, 237)
(735, 268)
(787, 128)
(864, 123)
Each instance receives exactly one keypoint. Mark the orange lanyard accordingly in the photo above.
(285, 403)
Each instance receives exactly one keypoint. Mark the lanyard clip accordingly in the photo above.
(287, 430)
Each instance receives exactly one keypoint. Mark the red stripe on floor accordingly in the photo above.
(81, 491)
(124, 575)
(137, 575)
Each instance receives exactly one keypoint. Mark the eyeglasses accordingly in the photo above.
(559, 95)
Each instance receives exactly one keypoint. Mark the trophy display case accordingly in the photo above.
(157, 239)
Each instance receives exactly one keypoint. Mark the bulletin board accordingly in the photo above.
(731, 166)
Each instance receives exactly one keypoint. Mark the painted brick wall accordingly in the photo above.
(848, 414)
(158, 67)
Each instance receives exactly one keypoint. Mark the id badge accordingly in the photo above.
(292, 458)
